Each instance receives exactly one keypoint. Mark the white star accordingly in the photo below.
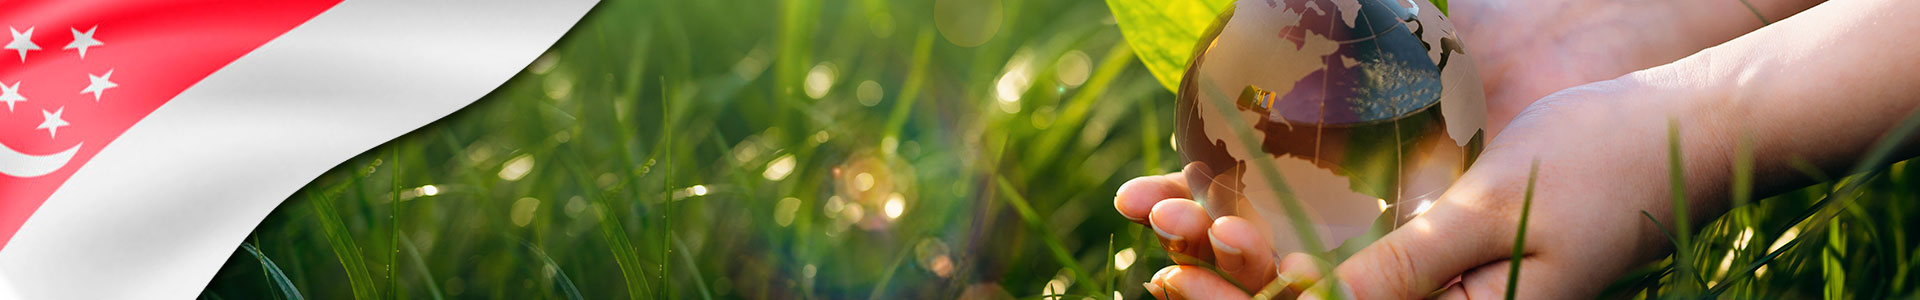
(98, 84)
(11, 94)
(83, 40)
(52, 122)
(22, 42)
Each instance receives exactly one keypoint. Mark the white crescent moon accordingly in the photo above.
(16, 164)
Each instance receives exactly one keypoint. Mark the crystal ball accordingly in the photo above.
(1367, 109)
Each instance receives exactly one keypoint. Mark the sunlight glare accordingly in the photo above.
(820, 80)
(779, 168)
(516, 168)
(896, 204)
(1124, 259)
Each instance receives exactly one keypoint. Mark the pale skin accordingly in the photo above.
(1821, 86)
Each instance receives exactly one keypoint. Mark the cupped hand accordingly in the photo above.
(1234, 245)
(1524, 50)
(1603, 160)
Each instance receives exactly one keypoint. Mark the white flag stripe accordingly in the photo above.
(158, 211)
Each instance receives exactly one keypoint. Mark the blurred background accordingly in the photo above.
(866, 149)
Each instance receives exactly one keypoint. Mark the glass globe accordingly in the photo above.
(1368, 109)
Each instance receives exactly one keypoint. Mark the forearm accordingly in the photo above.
(1526, 49)
(1820, 87)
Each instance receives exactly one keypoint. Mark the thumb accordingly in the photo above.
(1420, 257)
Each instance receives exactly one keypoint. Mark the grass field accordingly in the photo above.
(832, 149)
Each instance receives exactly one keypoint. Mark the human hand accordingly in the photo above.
(1606, 141)
(1236, 246)
(1526, 49)
(1523, 50)
(1603, 159)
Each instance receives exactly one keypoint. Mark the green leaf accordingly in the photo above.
(1163, 32)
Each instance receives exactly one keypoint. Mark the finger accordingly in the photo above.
(1539, 279)
(1454, 292)
(1241, 251)
(1136, 198)
(1190, 282)
(1210, 190)
(1301, 270)
(1297, 272)
(1182, 227)
(1153, 284)
(1418, 258)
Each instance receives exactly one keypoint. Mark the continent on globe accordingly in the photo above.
(1369, 109)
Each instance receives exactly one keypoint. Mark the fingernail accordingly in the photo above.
(1223, 246)
(1174, 243)
(1230, 259)
(1173, 291)
(1116, 199)
(1154, 286)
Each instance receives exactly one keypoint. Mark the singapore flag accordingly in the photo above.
(141, 140)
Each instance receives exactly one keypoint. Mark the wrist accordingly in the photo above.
(1695, 96)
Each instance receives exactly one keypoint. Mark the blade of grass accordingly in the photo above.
(916, 80)
(1756, 13)
(1821, 217)
(1149, 137)
(615, 234)
(279, 278)
(1027, 214)
(887, 277)
(1868, 165)
(1816, 210)
(1890, 142)
(1082, 103)
(1670, 239)
(699, 281)
(666, 202)
(343, 247)
(265, 274)
(1111, 280)
(1743, 172)
(623, 251)
(1520, 238)
(419, 265)
(613, 231)
(1682, 227)
(393, 219)
(559, 275)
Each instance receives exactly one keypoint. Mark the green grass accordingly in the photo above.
(343, 247)
(276, 278)
(1682, 223)
(1520, 234)
(611, 131)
